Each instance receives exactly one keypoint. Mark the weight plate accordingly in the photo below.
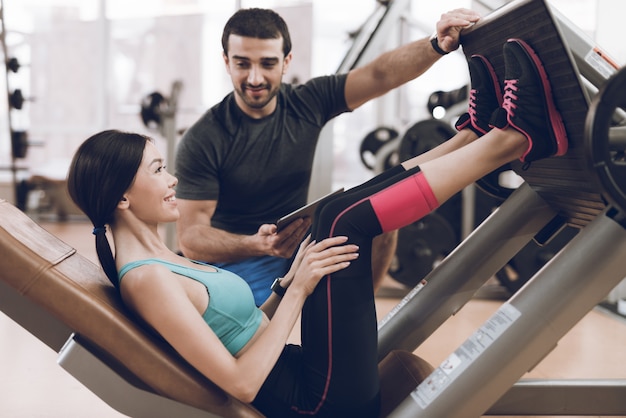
(424, 136)
(19, 144)
(608, 162)
(421, 246)
(150, 109)
(373, 142)
(492, 184)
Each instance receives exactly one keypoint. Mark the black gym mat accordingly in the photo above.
(566, 183)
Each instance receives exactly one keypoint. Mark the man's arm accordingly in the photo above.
(403, 64)
(198, 240)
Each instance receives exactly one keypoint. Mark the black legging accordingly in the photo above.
(334, 373)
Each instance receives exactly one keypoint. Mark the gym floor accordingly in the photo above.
(33, 385)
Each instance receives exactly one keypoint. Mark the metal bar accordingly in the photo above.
(593, 63)
(526, 328)
(117, 392)
(372, 33)
(605, 397)
(617, 138)
(33, 317)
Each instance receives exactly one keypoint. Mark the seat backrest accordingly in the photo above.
(46, 278)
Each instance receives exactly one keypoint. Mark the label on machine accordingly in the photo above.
(461, 359)
(601, 62)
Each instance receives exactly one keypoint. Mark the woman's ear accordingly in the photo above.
(123, 203)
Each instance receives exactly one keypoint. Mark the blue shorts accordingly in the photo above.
(259, 273)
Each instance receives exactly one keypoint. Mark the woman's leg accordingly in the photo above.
(340, 366)
(450, 173)
(339, 340)
(339, 323)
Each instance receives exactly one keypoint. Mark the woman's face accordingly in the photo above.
(152, 197)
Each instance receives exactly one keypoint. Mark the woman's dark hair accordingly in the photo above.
(257, 23)
(102, 170)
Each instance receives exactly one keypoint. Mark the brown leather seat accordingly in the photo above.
(57, 294)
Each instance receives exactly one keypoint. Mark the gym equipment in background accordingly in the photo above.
(158, 112)
(374, 144)
(15, 101)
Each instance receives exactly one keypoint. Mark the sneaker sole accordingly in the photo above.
(556, 122)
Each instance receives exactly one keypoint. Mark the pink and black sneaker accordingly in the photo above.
(528, 105)
(484, 98)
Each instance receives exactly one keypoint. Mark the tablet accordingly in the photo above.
(304, 211)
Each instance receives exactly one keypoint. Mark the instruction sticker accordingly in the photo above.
(601, 62)
(403, 302)
(463, 357)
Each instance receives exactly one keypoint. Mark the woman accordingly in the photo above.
(119, 179)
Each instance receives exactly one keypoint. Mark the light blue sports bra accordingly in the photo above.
(231, 313)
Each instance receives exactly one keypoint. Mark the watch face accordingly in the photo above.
(277, 288)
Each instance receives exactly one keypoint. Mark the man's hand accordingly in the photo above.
(450, 26)
(283, 243)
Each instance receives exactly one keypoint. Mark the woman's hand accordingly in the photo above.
(315, 260)
(296, 262)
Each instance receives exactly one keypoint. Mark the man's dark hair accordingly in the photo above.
(257, 23)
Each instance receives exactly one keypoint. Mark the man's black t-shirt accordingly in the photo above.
(257, 169)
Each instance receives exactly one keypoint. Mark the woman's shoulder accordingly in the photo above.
(148, 283)
(160, 271)
(142, 273)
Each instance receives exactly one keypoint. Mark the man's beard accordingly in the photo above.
(256, 104)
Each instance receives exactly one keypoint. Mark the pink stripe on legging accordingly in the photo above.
(404, 202)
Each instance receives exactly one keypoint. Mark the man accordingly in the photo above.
(248, 160)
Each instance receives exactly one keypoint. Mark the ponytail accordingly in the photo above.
(105, 255)
(102, 170)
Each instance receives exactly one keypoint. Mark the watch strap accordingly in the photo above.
(434, 41)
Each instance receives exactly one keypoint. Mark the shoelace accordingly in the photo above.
(473, 112)
(472, 104)
(510, 87)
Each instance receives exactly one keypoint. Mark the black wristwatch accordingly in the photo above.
(434, 41)
(277, 288)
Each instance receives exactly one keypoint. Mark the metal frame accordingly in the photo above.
(595, 397)
(524, 330)
(116, 391)
(482, 376)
